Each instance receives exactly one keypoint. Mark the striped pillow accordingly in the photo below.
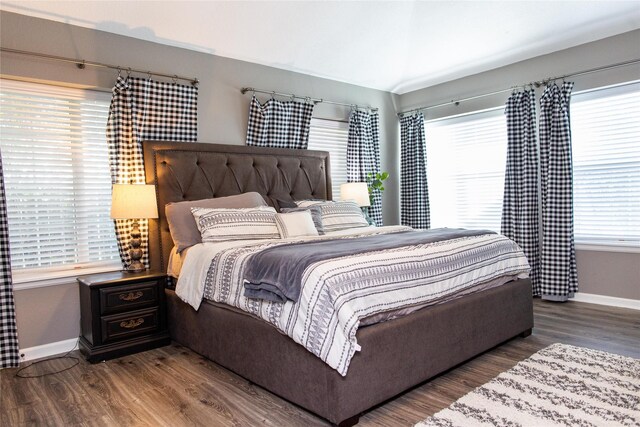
(296, 224)
(338, 215)
(217, 225)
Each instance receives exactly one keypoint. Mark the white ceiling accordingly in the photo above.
(396, 46)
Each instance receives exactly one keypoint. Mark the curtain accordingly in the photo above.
(558, 274)
(144, 109)
(414, 192)
(520, 208)
(9, 351)
(363, 154)
(281, 124)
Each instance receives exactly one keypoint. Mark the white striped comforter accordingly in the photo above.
(336, 294)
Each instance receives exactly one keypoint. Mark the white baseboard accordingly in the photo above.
(606, 300)
(46, 350)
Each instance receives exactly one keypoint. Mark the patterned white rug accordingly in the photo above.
(560, 385)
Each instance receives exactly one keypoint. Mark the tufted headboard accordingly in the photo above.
(192, 171)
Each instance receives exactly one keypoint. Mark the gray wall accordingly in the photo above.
(51, 314)
(613, 274)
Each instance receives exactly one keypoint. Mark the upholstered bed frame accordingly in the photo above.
(395, 356)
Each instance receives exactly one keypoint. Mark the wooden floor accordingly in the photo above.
(173, 386)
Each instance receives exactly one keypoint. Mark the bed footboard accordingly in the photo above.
(409, 350)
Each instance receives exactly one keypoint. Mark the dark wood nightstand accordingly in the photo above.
(122, 313)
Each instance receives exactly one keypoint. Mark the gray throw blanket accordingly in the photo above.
(275, 274)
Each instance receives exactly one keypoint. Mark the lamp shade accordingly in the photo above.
(133, 201)
(356, 191)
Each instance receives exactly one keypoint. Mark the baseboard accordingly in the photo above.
(46, 350)
(633, 304)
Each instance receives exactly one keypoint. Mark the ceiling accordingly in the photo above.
(396, 46)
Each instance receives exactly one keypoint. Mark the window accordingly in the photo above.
(466, 157)
(605, 127)
(57, 180)
(331, 136)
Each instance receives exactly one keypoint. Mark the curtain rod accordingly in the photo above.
(81, 64)
(531, 84)
(307, 98)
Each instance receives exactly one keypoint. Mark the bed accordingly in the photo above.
(395, 355)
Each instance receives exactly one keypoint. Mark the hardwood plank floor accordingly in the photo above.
(173, 386)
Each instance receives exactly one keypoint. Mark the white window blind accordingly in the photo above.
(57, 180)
(605, 127)
(331, 136)
(466, 157)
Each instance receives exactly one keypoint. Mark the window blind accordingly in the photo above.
(57, 179)
(466, 157)
(605, 127)
(332, 136)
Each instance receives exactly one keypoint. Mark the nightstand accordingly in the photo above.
(122, 313)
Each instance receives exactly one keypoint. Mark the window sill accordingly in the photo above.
(595, 247)
(63, 277)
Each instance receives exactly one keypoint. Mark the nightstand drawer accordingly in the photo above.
(125, 298)
(127, 325)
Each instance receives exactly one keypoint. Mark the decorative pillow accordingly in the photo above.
(295, 224)
(236, 224)
(286, 204)
(311, 202)
(316, 215)
(341, 215)
(182, 225)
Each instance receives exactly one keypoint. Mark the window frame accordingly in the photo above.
(629, 246)
(494, 112)
(59, 274)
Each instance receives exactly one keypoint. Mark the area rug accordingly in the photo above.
(560, 385)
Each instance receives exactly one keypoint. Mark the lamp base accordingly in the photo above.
(365, 212)
(135, 253)
(136, 267)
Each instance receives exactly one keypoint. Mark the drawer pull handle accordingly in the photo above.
(133, 323)
(130, 296)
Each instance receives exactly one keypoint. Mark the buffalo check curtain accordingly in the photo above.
(144, 109)
(363, 154)
(520, 216)
(414, 192)
(281, 124)
(558, 275)
(9, 351)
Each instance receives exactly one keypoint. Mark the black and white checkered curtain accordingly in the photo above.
(363, 154)
(144, 109)
(520, 208)
(414, 192)
(9, 351)
(558, 273)
(281, 124)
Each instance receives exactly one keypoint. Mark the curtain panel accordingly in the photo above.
(558, 274)
(520, 207)
(9, 350)
(144, 109)
(363, 154)
(280, 124)
(414, 192)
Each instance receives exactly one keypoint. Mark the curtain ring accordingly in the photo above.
(175, 79)
(128, 71)
(293, 97)
(119, 72)
(273, 94)
(148, 75)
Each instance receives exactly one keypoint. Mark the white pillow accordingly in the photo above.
(236, 224)
(338, 215)
(296, 224)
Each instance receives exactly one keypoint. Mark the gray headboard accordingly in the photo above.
(191, 171)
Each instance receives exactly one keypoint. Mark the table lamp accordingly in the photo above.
(358, 192)
(134, 201)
